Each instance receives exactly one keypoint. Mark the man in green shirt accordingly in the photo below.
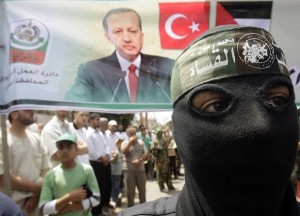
(70, 188)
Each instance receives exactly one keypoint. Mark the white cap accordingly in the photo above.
(112, 122)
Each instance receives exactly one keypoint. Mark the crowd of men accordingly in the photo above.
(122, 159)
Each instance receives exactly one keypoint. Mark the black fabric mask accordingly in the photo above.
(238, 161)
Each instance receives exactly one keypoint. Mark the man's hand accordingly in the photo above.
(133, 139)
(105, 160)
(30, 204)
(136, 162)
(114, 156)
(71, 200)
(77, 195)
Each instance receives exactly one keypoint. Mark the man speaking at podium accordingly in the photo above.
(126, 76)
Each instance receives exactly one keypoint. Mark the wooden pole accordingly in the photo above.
(141, 118)
(146, 120)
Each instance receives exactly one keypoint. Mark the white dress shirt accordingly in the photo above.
(96, 144)
(125, 65)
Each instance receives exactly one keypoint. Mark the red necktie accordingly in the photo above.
(133, 83)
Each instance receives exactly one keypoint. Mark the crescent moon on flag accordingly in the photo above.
(168, 26)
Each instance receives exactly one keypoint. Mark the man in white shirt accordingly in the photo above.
(99, 160)
(112, 136)
(80, 121)
(28, 161)
(127, 75)
(56, 127)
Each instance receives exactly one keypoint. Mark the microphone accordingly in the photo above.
(148, 71)
(155, 80)
(123, 74)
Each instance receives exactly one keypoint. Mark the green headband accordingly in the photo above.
(224, 52)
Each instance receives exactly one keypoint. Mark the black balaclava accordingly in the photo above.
(237, 161)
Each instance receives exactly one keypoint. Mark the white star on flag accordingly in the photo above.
(194, 27)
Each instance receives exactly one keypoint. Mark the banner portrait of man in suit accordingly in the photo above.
(127, 75)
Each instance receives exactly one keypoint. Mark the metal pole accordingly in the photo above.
(212, 14)
(6, 175)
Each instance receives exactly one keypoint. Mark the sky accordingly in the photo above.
(161, 117)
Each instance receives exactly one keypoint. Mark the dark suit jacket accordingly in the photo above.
(102, 80)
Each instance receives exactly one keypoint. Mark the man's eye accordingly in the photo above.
(215, 106)
(277, 101)
(278, 96)
(211, 102)
(117, 31)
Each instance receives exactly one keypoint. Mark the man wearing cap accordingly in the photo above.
(70, 188)
(112, 136)
(235, 126)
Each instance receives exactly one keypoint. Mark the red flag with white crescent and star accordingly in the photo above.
(180, 23)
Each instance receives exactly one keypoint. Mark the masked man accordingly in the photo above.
(235, 126)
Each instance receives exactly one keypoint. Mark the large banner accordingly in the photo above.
(74, 55)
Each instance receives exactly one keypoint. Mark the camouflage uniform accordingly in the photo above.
(160, 153)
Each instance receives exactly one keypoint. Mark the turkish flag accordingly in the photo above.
(180, 23)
